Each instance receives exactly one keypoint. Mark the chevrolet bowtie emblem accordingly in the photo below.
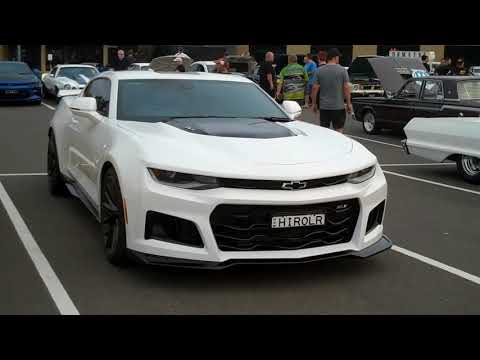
(294, 185)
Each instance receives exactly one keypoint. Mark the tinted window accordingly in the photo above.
(151, 100)
(468, 90)
(433, 90)
(14, 68)
(100, 90)
(411, 89)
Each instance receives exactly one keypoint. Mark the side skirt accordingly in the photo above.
(77, 191)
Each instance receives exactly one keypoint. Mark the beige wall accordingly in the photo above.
(359, 50)
(439, 50)
(43, 58)
(298, 49)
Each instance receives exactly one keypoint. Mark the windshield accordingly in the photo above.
(469, 90)
(80, 74)
(152, 100)
(14, 68)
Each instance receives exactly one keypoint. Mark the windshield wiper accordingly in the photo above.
(274, 118)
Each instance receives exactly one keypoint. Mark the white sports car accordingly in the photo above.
(67, 77)
(447, 138)
(207, 170)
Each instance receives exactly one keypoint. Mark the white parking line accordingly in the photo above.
(432, 182)
(374, 141)
(438, 264)
(24, 174)
(48, 106)
(423, 164)
(58, 293)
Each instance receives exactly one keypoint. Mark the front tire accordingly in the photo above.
(56, 183)
(369, 123)
(112, 219)
(469, 168)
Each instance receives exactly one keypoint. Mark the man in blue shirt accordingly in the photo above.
(310, 68)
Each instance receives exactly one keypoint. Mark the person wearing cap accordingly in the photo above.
(180, 67)
(332, 81)
(292, 81)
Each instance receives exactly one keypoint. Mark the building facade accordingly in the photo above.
(43, 57)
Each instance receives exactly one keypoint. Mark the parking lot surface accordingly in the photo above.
(432, 269)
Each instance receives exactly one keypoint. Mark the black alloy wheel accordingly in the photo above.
(113, 220)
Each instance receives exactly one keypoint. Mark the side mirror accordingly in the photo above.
(292, 108)
(84, 104)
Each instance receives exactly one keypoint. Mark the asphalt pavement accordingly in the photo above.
(431, 218)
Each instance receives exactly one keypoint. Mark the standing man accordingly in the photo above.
(309, 68)
(293, 80)
(332, 81)
(267, 74)
(425, 63)
(120, 62)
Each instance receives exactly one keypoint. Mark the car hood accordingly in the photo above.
(65, 80)
(309, 152)
(18, 78)
(394, 71)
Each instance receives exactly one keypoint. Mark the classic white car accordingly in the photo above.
(207, 170)
(203, 66)
(140, 66)
(67, 77)
(447, 138)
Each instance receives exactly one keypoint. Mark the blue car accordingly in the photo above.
(18, 83)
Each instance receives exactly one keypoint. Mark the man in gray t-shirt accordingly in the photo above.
(333, 83)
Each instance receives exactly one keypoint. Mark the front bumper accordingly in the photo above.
(197, 207)
(380, 246)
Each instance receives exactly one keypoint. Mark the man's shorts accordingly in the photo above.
(308, 89)
(334, 117)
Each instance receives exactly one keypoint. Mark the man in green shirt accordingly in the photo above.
(292, 81)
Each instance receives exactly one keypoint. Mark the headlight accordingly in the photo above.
(67, 87)
(362, 175)
(182, 180)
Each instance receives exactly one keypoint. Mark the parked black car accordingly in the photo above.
(432, 96)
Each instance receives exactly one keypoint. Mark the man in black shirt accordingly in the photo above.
(425, 62)
(267, 74)
(120, 62)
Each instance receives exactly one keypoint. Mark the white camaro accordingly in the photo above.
(67, 77)
(207, 170)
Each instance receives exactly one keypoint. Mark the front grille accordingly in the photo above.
(277, 184)
(248, 227)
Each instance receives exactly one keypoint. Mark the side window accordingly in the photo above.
(100, 90)
(195, 67)
(433, 90)
(411, 90)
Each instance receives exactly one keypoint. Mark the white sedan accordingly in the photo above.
(447, 138)
(67, 77)
(207, 170)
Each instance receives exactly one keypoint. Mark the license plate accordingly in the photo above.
(298, 220)
(11, 92)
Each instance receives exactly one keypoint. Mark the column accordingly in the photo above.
(43, 58)
(438, 49)
(362, 50)
(298, 49)
(105, 55)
